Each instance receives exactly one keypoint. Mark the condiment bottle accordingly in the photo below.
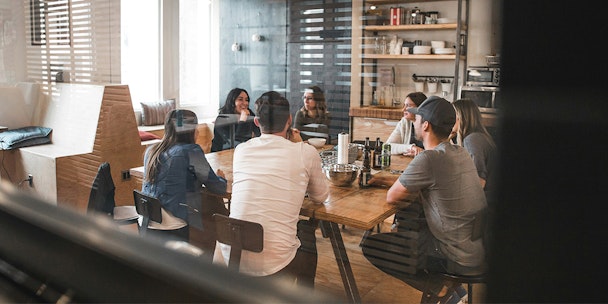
(377, 155)
(366, 170)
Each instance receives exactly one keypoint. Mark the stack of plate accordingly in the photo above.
(446, 20)
(445, 51)
(422, 49)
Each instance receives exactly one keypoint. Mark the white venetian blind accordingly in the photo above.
(76, 41)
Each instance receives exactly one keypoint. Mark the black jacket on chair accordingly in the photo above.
(101, 198)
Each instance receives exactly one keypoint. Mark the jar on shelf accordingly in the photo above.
(380, 45)
(417, 17)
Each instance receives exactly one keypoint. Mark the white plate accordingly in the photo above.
(446, 20)
(445, 52)
(422, 53)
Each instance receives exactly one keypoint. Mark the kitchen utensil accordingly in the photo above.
(422, 49)
(445, 51)
(437, 44)
(317, 142)
(341, 175)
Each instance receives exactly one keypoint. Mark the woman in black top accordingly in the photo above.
(237, 102)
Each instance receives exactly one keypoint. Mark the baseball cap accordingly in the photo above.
(438, 111)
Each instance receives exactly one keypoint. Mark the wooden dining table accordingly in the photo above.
(353, 206)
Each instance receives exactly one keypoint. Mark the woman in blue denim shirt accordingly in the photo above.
(175, 171)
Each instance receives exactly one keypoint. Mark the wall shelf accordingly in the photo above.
(411, 27)
(409, 57)
(381, 2)
(371, 60)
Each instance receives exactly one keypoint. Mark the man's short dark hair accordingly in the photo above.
(273, 112)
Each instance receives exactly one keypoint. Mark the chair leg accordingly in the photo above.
(470, 293)
(429, 298)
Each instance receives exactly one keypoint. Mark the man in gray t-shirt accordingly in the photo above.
(446, 180)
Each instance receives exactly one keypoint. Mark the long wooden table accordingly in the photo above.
(362, 208)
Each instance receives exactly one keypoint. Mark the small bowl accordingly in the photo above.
(437, 44)
(422, 49)
(341, 175)
(317, 142)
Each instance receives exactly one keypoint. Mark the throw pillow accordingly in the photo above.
(143, 135)
(154, 113)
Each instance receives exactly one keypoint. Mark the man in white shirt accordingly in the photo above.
(272, 174)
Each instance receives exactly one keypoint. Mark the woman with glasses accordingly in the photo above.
(313, 112)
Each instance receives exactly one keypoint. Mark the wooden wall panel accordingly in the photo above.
(116, 141)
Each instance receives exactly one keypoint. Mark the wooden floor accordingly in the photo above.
(374, 285)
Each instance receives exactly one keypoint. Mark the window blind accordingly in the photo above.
(319, 47)
(76, 41)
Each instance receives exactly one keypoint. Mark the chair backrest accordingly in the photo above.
(101, 198)
(240, 235)
(149, 208)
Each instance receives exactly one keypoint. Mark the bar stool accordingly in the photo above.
(469, 280)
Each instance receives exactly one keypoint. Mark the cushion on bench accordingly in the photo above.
(23, 137)
(143, 135)
(154, 113)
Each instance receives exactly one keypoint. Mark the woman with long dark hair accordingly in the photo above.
(475, 138)
(175, 171)
(237, 102)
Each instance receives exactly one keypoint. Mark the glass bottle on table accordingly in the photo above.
(377, 155)
(366, 170)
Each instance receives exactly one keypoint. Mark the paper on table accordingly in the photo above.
(343, 142)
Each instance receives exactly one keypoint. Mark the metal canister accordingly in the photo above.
(386, 156)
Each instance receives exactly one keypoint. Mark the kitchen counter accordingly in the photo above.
(394, 113)
(489, 119)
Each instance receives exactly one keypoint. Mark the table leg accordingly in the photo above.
(333, 231)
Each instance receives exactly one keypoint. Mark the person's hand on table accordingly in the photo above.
(294, 135)
(220, 173)
(383, 180)
(413, 151)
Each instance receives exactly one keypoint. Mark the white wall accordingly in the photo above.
(12, 44)
(484, 31)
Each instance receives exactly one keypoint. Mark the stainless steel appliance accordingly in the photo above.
(487, 98)
(483, 76)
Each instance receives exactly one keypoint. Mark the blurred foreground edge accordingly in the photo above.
(53, 254)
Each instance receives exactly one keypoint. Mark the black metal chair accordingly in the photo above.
(149, 208)
(101, 198)
(240, 235)
(399, 255)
